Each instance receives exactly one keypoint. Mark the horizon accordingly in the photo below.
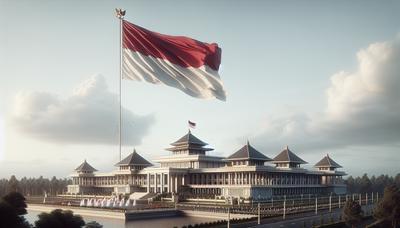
(320, 77)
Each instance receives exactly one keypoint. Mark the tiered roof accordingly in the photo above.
(247, 152)
(287, 156)
(85, 167)
(189, 138)
(133, 159)
(327, 162)
(188, 142)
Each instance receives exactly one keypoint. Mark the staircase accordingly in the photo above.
(137, 195)
(149, 196)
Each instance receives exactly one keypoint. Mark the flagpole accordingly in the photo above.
(120, 14)
(120, 88)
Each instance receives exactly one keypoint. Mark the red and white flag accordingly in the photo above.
(177, 61)
(191, 124)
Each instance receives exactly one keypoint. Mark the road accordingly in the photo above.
(299, 220)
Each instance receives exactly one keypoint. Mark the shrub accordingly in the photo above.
(60, 219)
(352, 213)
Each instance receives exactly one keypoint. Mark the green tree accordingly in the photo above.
(352, 213)
(397, 180)
(365, 184)
(16, 200)
(10, 215)
(60, 219)
(53, 186)
(388, 209)
(13, 184)
(350, 184)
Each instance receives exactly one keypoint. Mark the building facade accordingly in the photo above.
(190, 172)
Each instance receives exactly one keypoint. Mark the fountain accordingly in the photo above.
(127, 204)
(109, 203)
(116, 203)
(89, 203)
(82, 203)
(122, 203)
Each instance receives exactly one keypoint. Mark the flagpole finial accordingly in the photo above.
(120, 13)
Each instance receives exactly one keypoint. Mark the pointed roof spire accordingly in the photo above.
(327, 162)
(85, 167)
(134, 159)
(189, 138)
(287, 156)
(247, 152)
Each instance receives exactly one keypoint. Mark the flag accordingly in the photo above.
(191, 124)
(177, 61)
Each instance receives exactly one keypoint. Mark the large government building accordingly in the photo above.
(190, 172)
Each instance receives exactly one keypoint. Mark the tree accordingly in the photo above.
(13, 184)
(365, 184)
(53, 186)
(388, 209)
(9, 216)
(397, 180)
(33, 186)
(93, 224)
(16, 200)
(350, 184)
(374, 186)
(60, 219)
(352, 213)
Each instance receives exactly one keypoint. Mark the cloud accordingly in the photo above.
(88, 116)
(362, 107)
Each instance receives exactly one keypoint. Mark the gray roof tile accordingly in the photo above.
(247, 152)
(85, 167)
(327, 162)
(288, 156)
(189, 139)
(134, 159)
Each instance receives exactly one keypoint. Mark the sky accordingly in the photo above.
(319, 76)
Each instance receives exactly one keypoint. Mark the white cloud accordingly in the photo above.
(362, 107)
(88, 116)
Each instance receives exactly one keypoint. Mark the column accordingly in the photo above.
(176, 183)
(148, 182)
(162, 182)
(172, 180)
(170, 188)
(156, 182)
(169, 182)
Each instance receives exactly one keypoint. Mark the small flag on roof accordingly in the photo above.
(191, 124)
